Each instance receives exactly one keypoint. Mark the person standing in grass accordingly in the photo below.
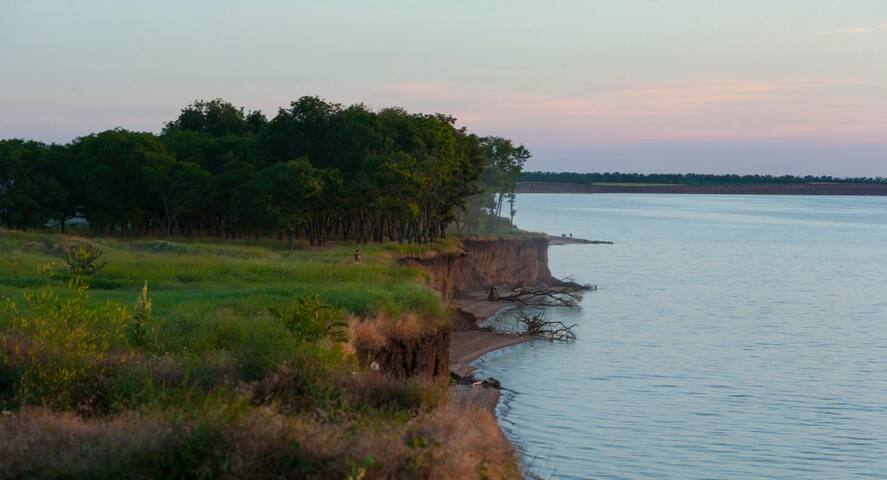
(358, 258)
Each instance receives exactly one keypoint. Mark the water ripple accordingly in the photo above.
(731, 338)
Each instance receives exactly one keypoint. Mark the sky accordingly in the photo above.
(714, 86)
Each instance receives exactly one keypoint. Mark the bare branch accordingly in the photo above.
(536, 323)
(546, 296)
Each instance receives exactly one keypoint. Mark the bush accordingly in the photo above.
(137, 330)
(64, 347)
(450, 442)
(309, 385)
(311, 320)
(84, 259)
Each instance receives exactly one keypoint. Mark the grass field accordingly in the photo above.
(237, 356)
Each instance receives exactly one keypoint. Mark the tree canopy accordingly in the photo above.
(316, 170)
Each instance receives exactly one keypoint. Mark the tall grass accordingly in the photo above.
(204, 359)
(447, 443)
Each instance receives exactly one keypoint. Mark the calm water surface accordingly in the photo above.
(732, 337)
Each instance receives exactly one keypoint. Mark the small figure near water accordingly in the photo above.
(358, 258)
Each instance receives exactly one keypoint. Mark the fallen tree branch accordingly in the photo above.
(535, 323)
(562, 295)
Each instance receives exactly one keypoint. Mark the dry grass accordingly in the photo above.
(365, 335)
(318, 390)
(374, 333)
(472, 445)
(448, 443)
(408, 327)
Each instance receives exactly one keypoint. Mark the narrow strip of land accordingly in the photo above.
(467, 347)
(870, 189)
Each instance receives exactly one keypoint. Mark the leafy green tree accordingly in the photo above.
(115, 169)
(29, 196)
(504, 164)
(214, 117)
(361, 174)
(284, 193)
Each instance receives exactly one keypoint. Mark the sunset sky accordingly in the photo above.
(751, 86)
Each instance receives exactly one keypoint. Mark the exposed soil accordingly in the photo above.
(484, 262)
(463, 278)
(425, 355)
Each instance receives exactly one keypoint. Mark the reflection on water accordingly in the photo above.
(732, 337)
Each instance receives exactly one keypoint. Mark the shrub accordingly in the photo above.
(309, 385)
(64, 358)
(84, 259)
(387, 394)
(311, 320)
(186, 277)
(365, 335)
(408, 327)
(450, 442)
(137, 330)
(303, 384)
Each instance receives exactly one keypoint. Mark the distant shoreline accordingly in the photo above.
(863, 189)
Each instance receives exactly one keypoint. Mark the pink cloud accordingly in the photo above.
(815, 107)
(861, 29)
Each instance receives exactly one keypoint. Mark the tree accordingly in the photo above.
(29, 196)
(284, 193)
(361, 174)
(117, 171)
(214, 117)
(504, 164)
(182, 190)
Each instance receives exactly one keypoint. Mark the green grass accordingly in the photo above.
(210, 306)
(195, 278)
(199, 378)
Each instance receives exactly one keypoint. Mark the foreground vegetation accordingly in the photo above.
(211, 359)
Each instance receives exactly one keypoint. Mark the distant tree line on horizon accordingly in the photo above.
(316, 170)
(685, 178)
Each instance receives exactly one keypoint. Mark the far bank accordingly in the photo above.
(866, 189)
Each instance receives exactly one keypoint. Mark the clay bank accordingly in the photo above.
(466, 277)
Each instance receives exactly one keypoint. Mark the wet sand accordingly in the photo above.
(467, 347)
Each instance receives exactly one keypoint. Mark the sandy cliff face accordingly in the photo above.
(479, 264)
(486, 262)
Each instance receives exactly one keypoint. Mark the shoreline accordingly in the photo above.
(467, 346)
(471, 342)
(855, 189)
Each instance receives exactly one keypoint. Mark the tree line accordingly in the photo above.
(686, 178)
(316, 170)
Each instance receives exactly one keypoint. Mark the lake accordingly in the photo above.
(731, 337)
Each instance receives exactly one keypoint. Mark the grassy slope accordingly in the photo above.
(215, 364)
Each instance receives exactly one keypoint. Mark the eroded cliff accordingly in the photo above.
(483, 262)
(476, 265)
